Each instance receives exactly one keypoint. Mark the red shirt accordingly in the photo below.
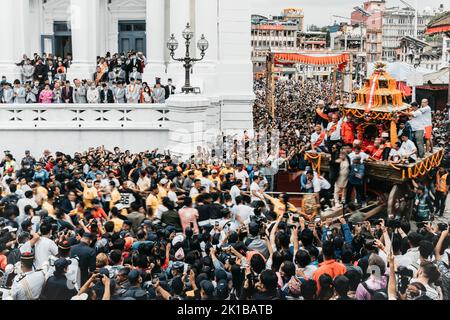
(99, 214)
(330, 267)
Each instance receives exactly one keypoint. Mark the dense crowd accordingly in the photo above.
(112, 225)
(117, 79)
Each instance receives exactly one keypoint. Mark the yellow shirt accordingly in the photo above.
(115, 197)
(152, 202)
(161, 194)
(225, 171)
(41, 190)
(51, 211)
(117, 224)
(89, 194)
(216, 181)
(279, 208)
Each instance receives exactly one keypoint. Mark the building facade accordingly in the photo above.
(91, 28)
(398, 23)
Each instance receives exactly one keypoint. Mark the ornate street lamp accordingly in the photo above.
(415, 59)
(202, 45)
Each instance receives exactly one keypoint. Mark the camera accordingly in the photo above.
(442, 226)
(393, 223)
(405, 275)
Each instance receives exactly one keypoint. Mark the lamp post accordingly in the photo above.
(415, 59)
(202, 45)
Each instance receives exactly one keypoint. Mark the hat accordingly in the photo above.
(177, 239)
(27, 256)
(64, 245)
(213, 171)
(147, 223)
(10, 170)
(221, 275)
(208, 287)
(164, 181)
(179, 255)
(222, 290)
(89, 235)
(133, 275)
(62, 263)
(178, 265)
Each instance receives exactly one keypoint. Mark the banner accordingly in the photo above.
(324, 60)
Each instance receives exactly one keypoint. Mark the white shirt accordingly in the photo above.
(336, 135)
(244, 212)
(364, 156)
(172, 196)
(34, 280)
(43, 249)
(407, 148)
(242, 175)
(395, 154)
(206, 183)
(416, 121)
(320, 183)
(235, 192)
(254, 188)
(314, 137)
(193, 192)
(426, 116)
(22, 203)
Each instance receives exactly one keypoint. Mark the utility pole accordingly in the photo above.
(270, 84)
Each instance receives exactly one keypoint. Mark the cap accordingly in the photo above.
(133, 275)
(10, 229)
(164, 181)
(62, 263)
(208, 287)
(64, 245)
(213, 171)
(177, 239)
(221, 275)
(222, 290)
(27, 256)
(178, 265)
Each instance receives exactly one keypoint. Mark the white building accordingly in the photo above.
(90, 28)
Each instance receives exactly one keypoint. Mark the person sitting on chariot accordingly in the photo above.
(404, 127)
(394, 154)
(408, 150)
(318, 139)
(320, 187)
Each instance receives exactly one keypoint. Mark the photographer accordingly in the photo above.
(442, 254)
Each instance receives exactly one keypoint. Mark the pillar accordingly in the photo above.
(156, 42)
(22, 29)
(235, 69)
(7, 52)
(206, 20)
(188, 118)
(83, 18)
(180, 13)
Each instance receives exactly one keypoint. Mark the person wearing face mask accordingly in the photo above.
(27, 71)
(135, 74)
(79, 92)
(19, 92)
(133, 91)
(40, 72)
(92, 94)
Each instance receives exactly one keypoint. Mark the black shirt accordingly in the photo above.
(86, 256)
(56, 289)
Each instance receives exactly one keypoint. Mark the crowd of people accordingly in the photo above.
(117, 79)
(111, 225)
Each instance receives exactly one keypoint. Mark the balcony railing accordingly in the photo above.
(84, 116)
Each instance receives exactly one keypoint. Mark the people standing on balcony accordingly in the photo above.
(106, 95)
(159, 93)
(40, 71)
(57, 93)
(60, 76)
(19, 93)
(51, 68)
(46, 95)
(93, 96)
(30, 97)
(79, 92)
(119, 93)
(170, 88)
(100, 75)
(133, 91)
(67, 93)
(146, 95)
(27, 71)
(8, 94)
(135, 74)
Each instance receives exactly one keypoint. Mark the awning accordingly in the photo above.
(318, 60)
(437, 29)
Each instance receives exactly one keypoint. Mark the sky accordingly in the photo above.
(319, 12)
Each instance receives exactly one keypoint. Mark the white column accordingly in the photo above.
(180, 12)
(156, 42)
(206, 20)
(235, 69)
(21, 28)
(84, 38)
(7, 52)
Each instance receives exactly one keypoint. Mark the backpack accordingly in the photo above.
(382, 291)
